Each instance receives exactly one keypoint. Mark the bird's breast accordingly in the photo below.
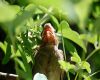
(47, 63)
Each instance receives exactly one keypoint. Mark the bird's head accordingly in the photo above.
(48, 35)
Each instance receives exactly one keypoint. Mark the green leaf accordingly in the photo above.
(3, 46)
(54, 21)
(21, 20)
(20, 63)
(14, 55)
(97, 25)
(30, 22)
(92, 38)
(8, 12)
(7, 55)
(96, 11)
(86, 77)
(82, 9)
(86, 65)
(66, 32)
(69, 46)
(22, 74)
(66, 65)
(29, 58)
(76, 58)
(26, 65)
(23, 57)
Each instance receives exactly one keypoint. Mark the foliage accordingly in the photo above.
(22, 20)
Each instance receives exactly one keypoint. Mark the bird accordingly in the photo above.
(48, 55)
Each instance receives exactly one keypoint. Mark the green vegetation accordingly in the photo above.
(77, 24)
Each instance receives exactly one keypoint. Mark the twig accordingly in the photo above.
(7, 76)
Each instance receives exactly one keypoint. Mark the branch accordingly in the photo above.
(7, 76)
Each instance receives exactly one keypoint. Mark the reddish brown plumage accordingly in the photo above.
(48, 35)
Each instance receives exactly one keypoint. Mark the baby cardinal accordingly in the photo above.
(46, 59)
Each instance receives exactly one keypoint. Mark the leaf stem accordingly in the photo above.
(63, 43)
(68, 76)
(45, 17)
(98, 38)
(94, 51)
(76, 76)
(94, 73)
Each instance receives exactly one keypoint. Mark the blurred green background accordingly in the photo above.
(77, 24)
